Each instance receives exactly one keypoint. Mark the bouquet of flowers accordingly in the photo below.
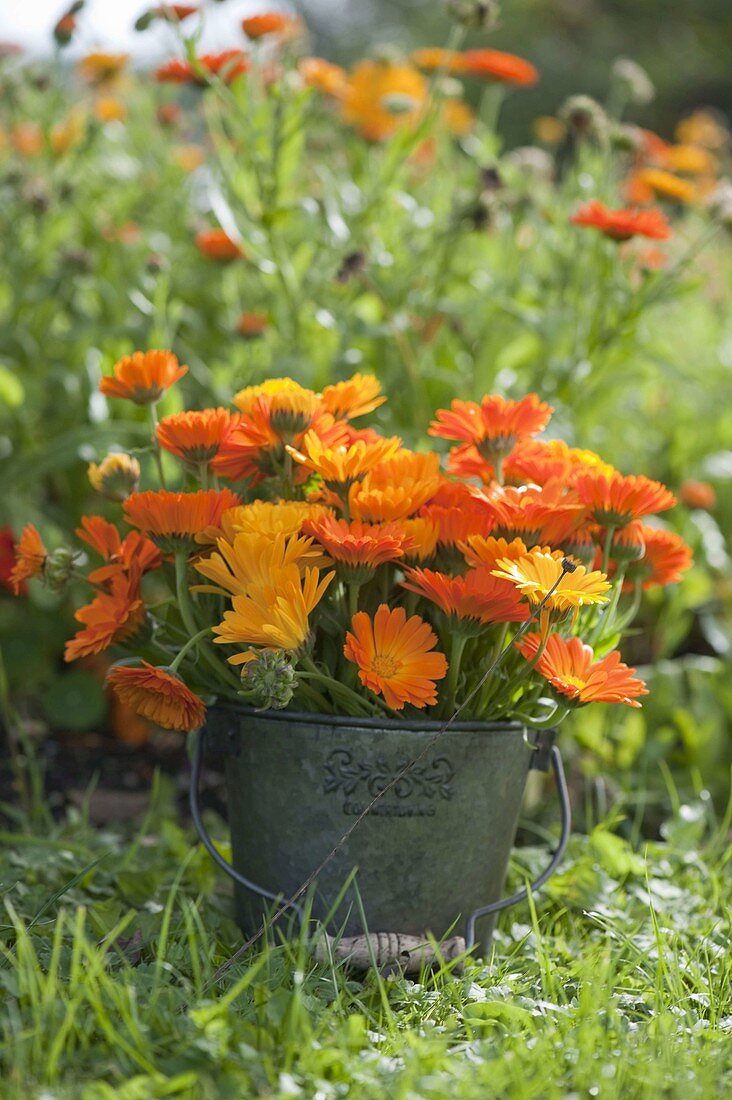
(295, 558)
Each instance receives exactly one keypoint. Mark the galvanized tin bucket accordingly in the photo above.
(432, 853)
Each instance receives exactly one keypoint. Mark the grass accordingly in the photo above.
(617, 983)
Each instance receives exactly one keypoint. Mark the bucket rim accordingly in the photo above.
(427, 725)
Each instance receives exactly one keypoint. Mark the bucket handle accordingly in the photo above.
(545, 753)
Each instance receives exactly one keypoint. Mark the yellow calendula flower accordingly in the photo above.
(116, 476)
(290, 406)
(341, 466)
(264, 517)
(253, 559)
(275, 615)
(396, 488)
(536, 573)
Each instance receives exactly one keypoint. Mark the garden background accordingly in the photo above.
(616, 981)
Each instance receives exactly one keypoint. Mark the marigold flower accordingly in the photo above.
(359, 548)
(395, 656)
(397, 488)
(216, 244)
(458, 513)
(698, 494)
(504, 68)
(478, 597)
(188, 157)
(542, 461)
(690, 160)
(271, 23)
(116, 476)
(143, 377)
(30, 557)
(196, 437)
(252, 560)
(615, 500)
(495, 425)
(323, 75)
(569, 666)
(648, 183)
(290, 408)
(621, 225)
(434, 58)
(158, 695)
(135, 553)
(481, 550)
(264, 517)
(102, 68)
(702, 128)
(352, 398)
(113, 616)
(381, 97)
(174, 519)
(535, 575)
(275, 615)
(546, 515)
(226, 66)
(109, 109)
(252, 324)
(423, 534)
(339, 467)
(666, 557)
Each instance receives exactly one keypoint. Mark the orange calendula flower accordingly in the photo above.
(546, 515)
(339, 467)
(289, 407)
(698, 494)
(158, 695)
(143, 377)
(271, 23)
(275, 615)
(252, 324)
(477, 598)
(542, 461)
(481, 550)
(133, 554)
(666, 557)
(396, 489)
(504, 68)
(30, 557)
(649, 183)
(102, 68)
(113, 616)
(173, 13)
(395, 656)
(381, 97)
(264, 517)
(216, 244)
(173, 520)
(355, 397)
(423, 534)
(196, 437)
(621, 225)
(495, 425)
(434, 58)
(536, 574)
(226, 66)
(252, 559)
(615, 500)
(570, 667)
(323, 75)
(359, 548)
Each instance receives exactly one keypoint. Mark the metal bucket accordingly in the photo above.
(430, 856)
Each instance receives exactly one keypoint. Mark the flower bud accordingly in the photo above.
(585, 118)
(478, 15)
(116, 476)
(634, 81)
(58, 567)
(269, 680)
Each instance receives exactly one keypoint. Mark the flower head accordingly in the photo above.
(495, 425)
(102, 69)
(143, 377)
(381, 97)
(252, 559)
(666, 557)
(536, 574)
(396, 488)
(196, 437)
(358, 547)
(30, 557)
(614, 500)
(226, 66)
(323, 75)
(271, 23)
(395, 656)
(216, 244)
(174, 519)
(114, 615)
(252, 324)
(354, 397)
(133, 554)
(621, 225)
(116, 476)
(503, 68)
(158, 695)
(477, 598)
(341, 466)
(648, 184)
(570, 667)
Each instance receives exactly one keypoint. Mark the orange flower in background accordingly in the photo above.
(395, 656)
(359, 547)
(102, 69)
(134, 554)
(690, 160)
(504, 68)
(323, 75)
(615, 500)
(698, 494)
(252, 324)
(381, 98)
(666, 557)
(226, 66)
(272, 23)
(352, 398)
(478, 596)
(114, 615)
(174, 519)
(541, 461)
(546, 515)
(423, 534)
(109, 109)
(168, 114)
(30, 557)
(648, 184)
(396, 489)
(340, 466)
(703, 128)
(216, 244)
(570, 667)
(494, 426)
(143, 377)
(621, 225)
(27, 139)
(196, 437)
(158, 695)
(174, 13)
(536, 574)
(7, 561)
(433, 58)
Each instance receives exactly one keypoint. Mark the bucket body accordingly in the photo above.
(432, 850)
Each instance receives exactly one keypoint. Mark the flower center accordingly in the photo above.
(385, 666)
(573, 681)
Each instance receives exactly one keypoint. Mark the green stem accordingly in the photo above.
(189, 621)
(173, 666)
(153, 413)
(457, 646)
(353, 590)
